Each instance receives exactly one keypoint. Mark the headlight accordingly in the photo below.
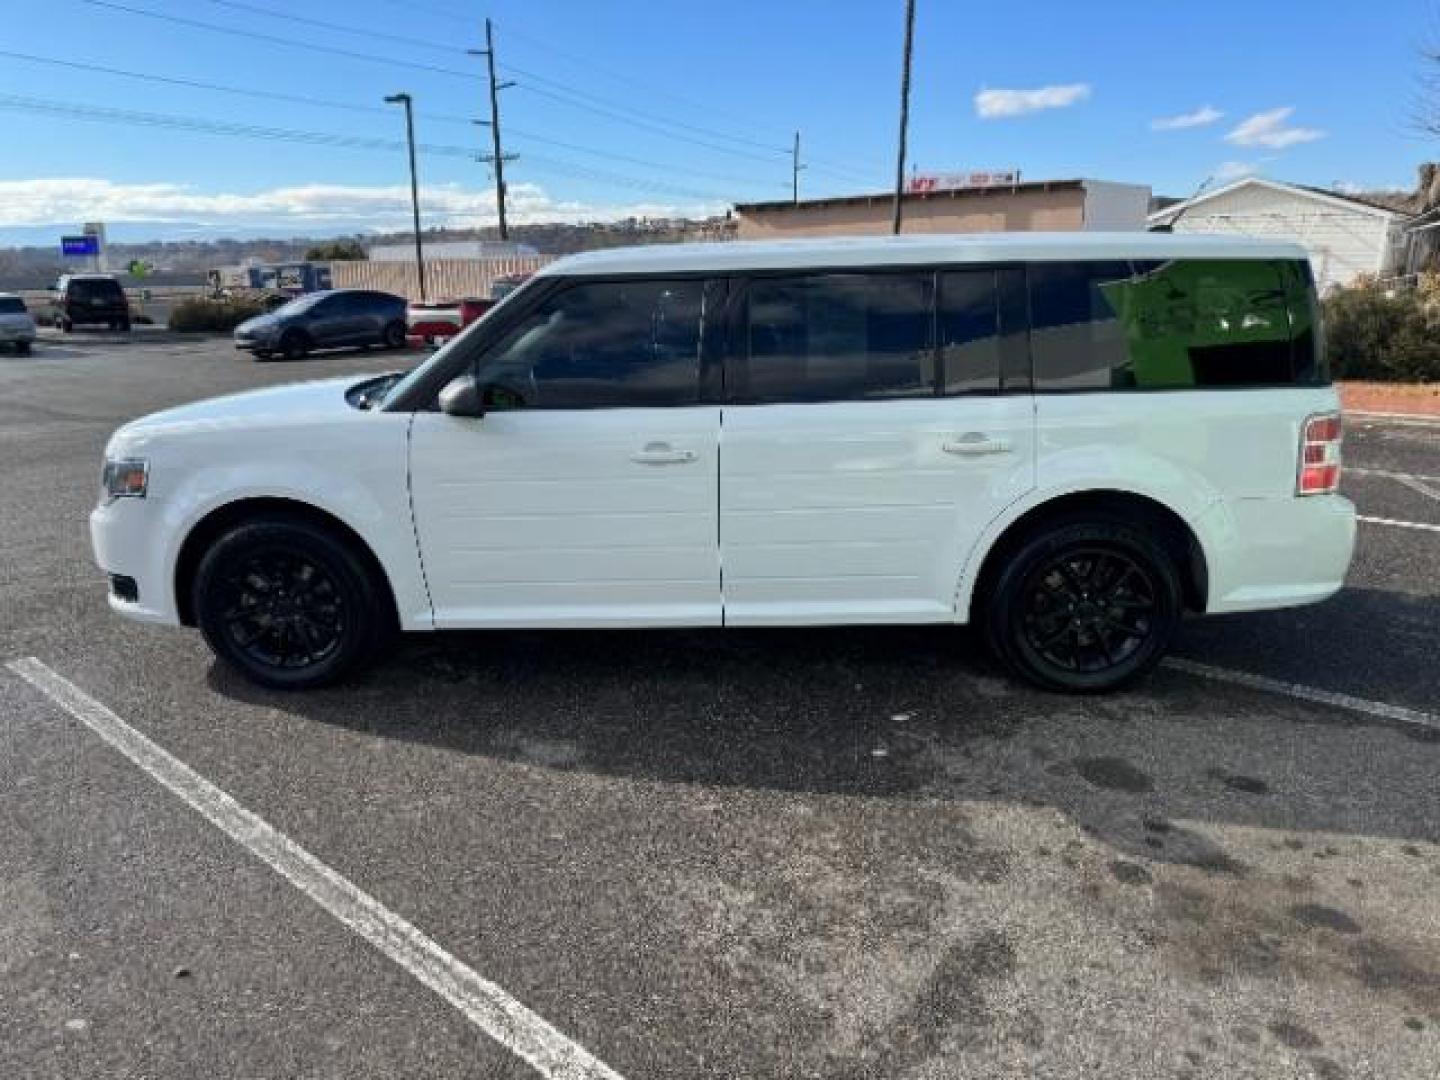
(126, 478)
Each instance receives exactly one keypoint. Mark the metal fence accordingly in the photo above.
(445, 279)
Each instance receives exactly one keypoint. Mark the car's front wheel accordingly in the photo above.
(1084, 606)
(294, 345)
(395, 336)
(289, 604)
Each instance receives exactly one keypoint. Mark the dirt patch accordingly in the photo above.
(1422, 399)
(1116, 774)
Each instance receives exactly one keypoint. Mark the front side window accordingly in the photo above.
(836, 337)
(603, 345)
(11, 305)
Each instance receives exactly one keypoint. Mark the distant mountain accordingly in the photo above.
(32, 258)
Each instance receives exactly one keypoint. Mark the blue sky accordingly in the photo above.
(682, 106)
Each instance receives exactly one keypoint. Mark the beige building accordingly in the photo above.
(1032, 206)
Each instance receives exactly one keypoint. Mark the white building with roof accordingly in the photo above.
(1346, 235)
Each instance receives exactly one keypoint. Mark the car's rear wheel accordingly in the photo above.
(288, 604)
(1084, 606)
(395, 335)
(22, 348)
(294, 345)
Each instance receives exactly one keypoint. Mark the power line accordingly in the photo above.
(275, 39)
(574, 98)
(170, 121)
(348, 106)
(256, 9)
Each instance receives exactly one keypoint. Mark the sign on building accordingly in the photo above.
(923, 182)
(80, 245)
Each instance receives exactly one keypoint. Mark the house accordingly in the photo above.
(1347, 235)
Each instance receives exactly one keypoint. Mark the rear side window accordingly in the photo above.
(981, 320)
(1186, 323)
(836, 337)
(11, 305)
(604, 345)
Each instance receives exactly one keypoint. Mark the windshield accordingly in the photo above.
(11, 305)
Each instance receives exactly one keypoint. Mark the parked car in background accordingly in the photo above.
(434, 321)
(17, 328)
(89, 300)
(325, 320)
(1068, 440)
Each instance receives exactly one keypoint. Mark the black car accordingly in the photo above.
(325, 320)
(89, 300)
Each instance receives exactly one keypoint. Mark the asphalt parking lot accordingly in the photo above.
(837, 853)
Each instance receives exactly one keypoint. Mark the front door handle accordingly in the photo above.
(660, 453)
(975, 444)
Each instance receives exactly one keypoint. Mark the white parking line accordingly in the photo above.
(1422, 525)
(486, 1005)
(1403, 419)
(1356, 470)
(1379, 709)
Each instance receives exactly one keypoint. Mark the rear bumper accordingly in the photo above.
(1273, 553)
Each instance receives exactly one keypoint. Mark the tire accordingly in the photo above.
(320, 614)
(123, 326)
(294, 345)
(22, 348)
(262, 354)
(1047, 617)
(394, 337)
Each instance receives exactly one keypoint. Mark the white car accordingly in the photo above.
(1070, 440)
(17, 328)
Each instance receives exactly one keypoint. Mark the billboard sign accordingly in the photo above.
(923, 182)
(80, 245)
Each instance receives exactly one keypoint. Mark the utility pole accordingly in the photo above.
(495, 159)
(795, 168)
(404, 99)
(904, 112)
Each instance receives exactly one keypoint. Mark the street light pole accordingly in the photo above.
(904, 112)
(404, 99)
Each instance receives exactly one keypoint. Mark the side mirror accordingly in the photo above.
(462, 396)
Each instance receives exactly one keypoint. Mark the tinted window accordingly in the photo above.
(837, 337)
(94, 289)
(1076, 338)
(607, 344)
(11, 305)
(1168, 325)
(969, 320)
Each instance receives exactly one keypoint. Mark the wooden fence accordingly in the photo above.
(445, 279)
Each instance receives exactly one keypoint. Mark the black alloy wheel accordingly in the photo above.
(1085, 607)
(289, 605)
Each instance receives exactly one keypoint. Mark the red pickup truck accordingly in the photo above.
(436, 321)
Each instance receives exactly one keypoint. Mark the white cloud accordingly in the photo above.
(1201, 117)
(1227, 171)
(995, 104)
(69, 200)
(1269, 129)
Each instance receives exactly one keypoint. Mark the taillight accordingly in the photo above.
(1319, 471)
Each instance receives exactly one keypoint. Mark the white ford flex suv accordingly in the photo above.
(1068, 440)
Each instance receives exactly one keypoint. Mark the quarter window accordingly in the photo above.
(603, 345)
(837, 337)
(1174, 324)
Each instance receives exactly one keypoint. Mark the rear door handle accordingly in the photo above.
(975, 444)
(659, 453)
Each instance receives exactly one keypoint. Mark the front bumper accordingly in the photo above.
(123, 536)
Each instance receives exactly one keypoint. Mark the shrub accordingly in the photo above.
(197, 314)
(1389, 336)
